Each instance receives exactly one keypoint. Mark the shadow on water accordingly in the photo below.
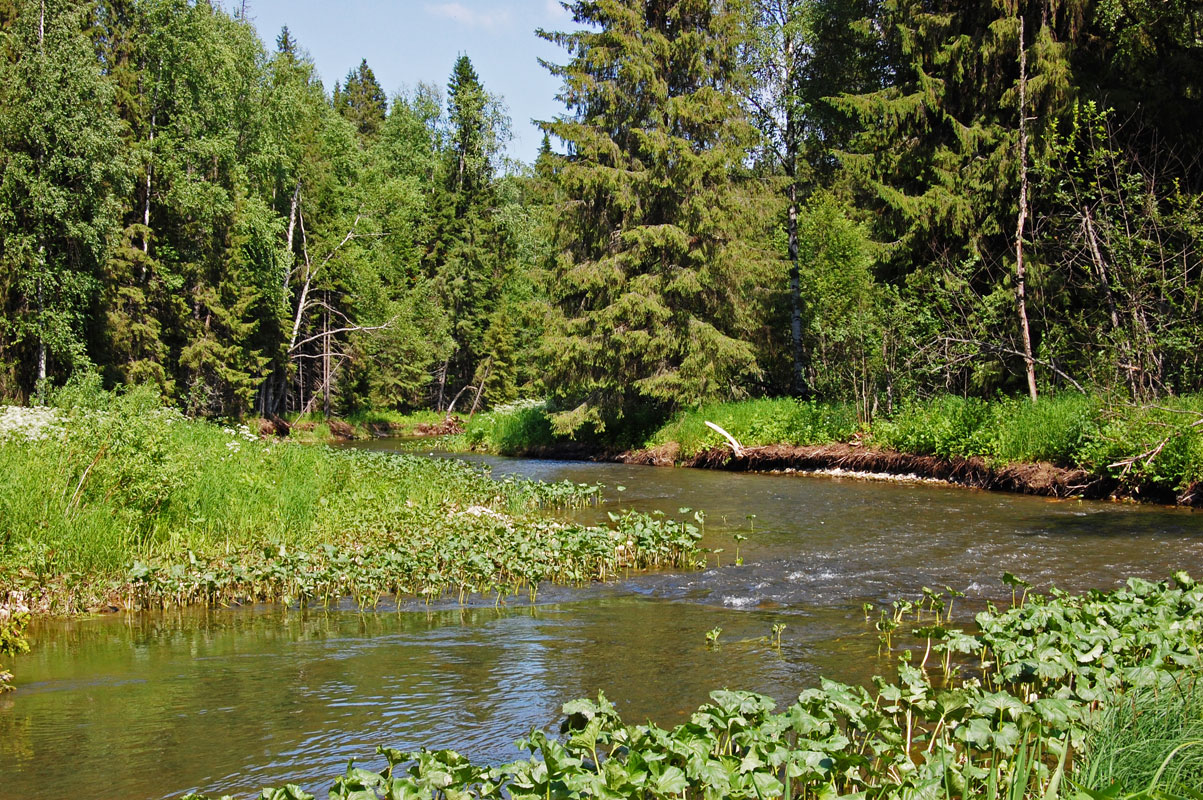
(145, 706)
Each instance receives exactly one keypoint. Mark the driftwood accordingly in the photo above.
(736, 447)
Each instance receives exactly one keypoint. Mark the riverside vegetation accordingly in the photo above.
(1147, 450)
(1034, 703)
(111, 499)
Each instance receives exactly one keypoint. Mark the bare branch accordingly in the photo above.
(995, 348)
(347, 329)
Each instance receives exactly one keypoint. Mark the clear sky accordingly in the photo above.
(410, 41)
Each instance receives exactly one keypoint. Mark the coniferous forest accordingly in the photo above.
(856, 201)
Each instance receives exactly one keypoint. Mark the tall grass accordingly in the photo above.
(1149, 738)
(117, 478)
(759, 422)
(511, 428)
(1054, 429)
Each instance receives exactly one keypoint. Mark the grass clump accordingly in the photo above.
(759, 422)
(1151, 738)
(511, 428)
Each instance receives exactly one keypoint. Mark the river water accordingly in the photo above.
(156, 705)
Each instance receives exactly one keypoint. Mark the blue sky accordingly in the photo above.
(408, 41)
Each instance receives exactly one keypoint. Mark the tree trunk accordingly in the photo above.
(41, 384)
(795, 293)
(795, 277)
(1020, 288)
(326, 358)
(292, 225)
(150, 166)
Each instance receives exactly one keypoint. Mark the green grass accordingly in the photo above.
(511, 429)
(314, 428)
(119, 480)
(1055, 429)
(1153, 737)
(758, 422)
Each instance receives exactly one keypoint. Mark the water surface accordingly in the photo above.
(155, 705)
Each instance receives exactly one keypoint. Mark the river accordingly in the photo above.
(228, 701)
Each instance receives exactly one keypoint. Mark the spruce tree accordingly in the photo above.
(466, 107)
(649, 287)
(362, 100)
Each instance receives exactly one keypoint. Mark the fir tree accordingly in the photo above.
(361, 100)
(648, 286)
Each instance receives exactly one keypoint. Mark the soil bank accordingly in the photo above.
(1039, 478)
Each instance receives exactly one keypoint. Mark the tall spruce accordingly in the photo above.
(649, 292)
(361, 100)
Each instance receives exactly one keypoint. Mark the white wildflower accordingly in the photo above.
(28, 424)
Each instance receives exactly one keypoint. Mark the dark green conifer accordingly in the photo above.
(649, 288)
(361, 100)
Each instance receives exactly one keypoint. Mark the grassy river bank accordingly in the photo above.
(111, 501)
(1064, 445)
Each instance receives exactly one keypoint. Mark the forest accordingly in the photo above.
(850, 201)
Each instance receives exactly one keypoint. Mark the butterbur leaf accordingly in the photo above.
(671, 781)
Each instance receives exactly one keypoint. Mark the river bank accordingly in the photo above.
(111, 501)
(1065, 446)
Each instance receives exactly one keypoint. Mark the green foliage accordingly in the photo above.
(14, 618)
(514, 428)
(1159, 446)
(361, 100)
(759, 422)
(214, 514)
(845, 309)
(61, 173)
(947, 426)
(650, 289)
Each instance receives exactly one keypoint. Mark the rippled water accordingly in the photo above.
(149, 706)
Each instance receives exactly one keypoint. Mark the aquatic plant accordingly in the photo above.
(481, 552)
(1044, 671)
